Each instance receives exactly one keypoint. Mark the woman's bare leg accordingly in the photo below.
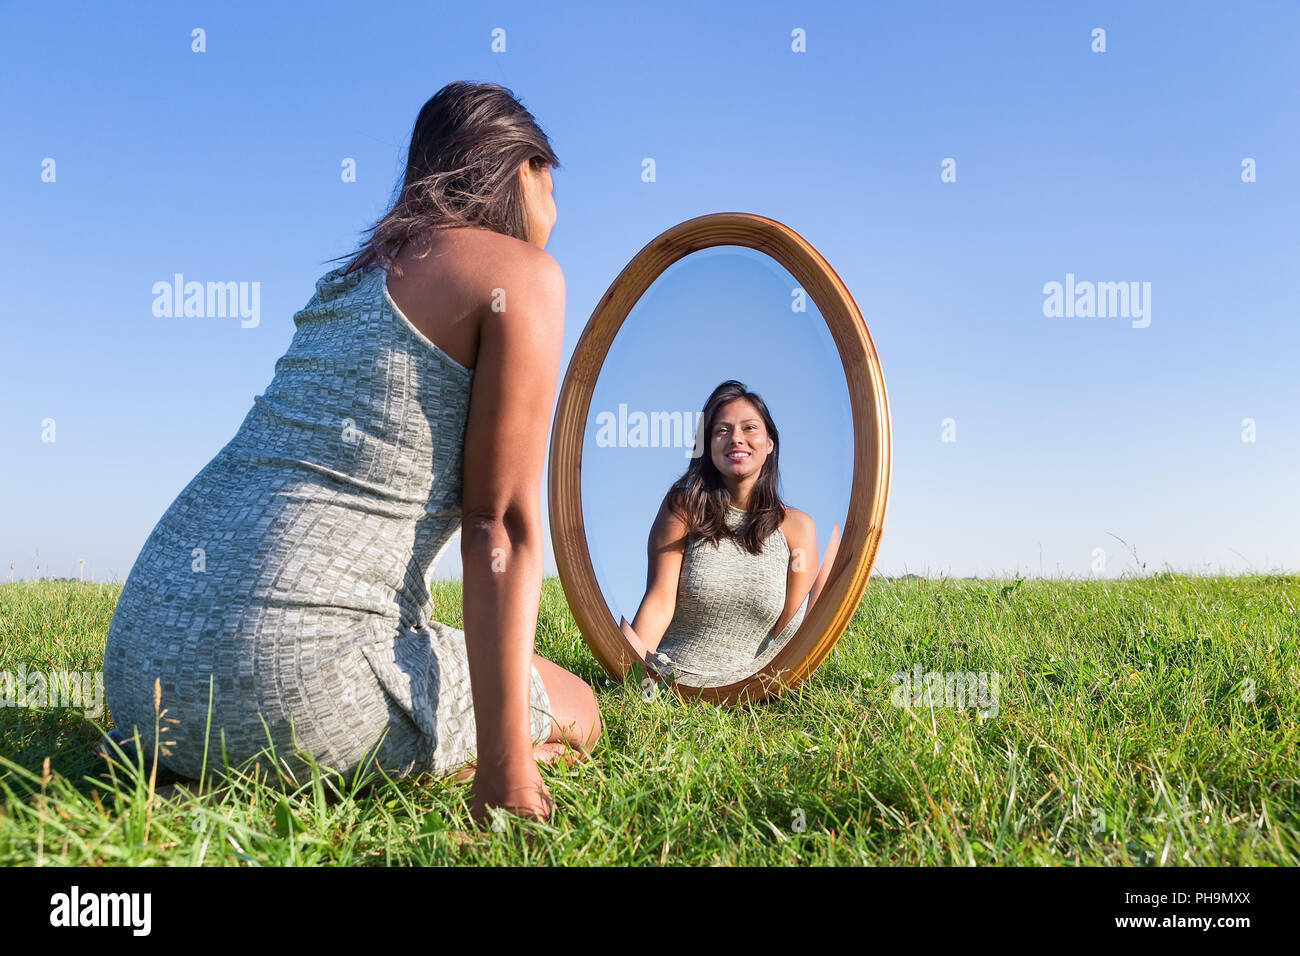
(575, 718)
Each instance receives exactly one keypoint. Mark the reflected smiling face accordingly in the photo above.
(739, 444)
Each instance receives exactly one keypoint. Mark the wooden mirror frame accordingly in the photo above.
(826, 621)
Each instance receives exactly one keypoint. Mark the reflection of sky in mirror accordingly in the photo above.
(720, 313)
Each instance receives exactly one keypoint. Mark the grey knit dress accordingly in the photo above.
(728, 602)
(287, 583)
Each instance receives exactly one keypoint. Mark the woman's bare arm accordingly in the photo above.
(801, 535)
(664, 550)
(824, 571)
(511, 403)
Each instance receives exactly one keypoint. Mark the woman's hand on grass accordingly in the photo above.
(521, 792)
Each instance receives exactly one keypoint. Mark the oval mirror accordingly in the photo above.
(720, 461)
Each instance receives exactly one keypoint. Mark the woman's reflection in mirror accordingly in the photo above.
(730, 564)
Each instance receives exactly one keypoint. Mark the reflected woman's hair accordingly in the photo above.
(700, 497)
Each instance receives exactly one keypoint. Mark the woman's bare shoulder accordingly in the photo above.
(446, 282)
(668, 523)
(477, 252)
(798, 525)
(794, 517)
(475, 261)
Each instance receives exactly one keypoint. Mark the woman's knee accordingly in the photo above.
(574, 712)
(591, 714)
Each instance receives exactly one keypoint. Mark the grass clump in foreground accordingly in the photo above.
(1143, 721)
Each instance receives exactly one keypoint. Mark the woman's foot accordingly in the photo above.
(548, 753)
(557, 751)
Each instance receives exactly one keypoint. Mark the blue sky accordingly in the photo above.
(1071, 433)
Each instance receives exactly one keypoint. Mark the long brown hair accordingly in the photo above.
(467, 145)
(700, 497)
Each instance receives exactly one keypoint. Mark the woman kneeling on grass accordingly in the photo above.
(283, 595)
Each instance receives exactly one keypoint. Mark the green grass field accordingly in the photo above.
(1141, 722)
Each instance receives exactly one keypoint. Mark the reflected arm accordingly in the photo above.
(801, 535)
(824, 572)
(666, 546)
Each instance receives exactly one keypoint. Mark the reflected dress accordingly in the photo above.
(287, 584)
(728, 602)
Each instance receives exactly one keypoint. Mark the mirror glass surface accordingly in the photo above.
(722, 313)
